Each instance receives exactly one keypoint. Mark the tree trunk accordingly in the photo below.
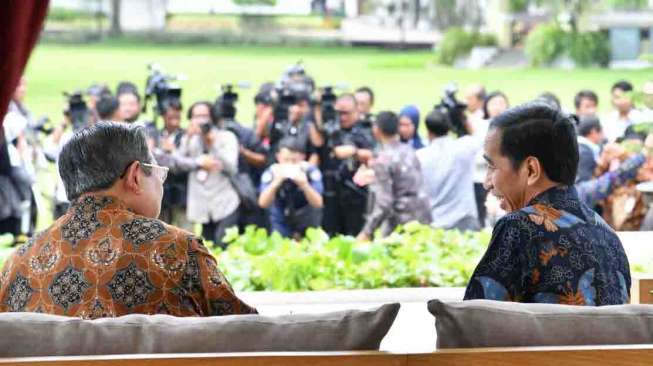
(116, 29)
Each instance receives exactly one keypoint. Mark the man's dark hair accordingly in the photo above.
(106, 107)
(551, 99)
(263, 98)
(301, 96)
(535, 129)
(96, 156)
(368, 90)
(588, 124)
(189, 113)
(585, 94)
(488, 98)
(387, 122)
(622, 85)
(438, 123)
(174, 104)
(293, 144)
(127, 87)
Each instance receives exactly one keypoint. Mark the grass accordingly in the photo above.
(397, 77)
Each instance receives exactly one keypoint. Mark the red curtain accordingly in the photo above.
(20, 25)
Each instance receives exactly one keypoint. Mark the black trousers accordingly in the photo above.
(342, 218)
(214, 230)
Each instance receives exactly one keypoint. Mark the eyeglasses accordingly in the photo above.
(345, 112)
(161, 172)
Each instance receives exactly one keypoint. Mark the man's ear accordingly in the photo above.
(534, 170)
(132, 180)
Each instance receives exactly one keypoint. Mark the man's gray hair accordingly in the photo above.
(97, 156)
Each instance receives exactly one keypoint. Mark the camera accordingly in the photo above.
(77, 111)
(159, 85)
(454, 109)
(330, 120)
(295, 78)
(283, 99)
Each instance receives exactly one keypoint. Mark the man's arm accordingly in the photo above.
(498, 274)
(269, 190)
(593, 191)
(216, 297)
(381, 193)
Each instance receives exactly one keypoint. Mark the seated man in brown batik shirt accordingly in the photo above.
(109, 255)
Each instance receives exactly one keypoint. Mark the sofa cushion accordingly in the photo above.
(485, 323)
(32, 334)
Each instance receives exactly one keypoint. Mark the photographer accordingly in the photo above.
(252, 156)
(299, 123)
(212, 200)
(291, 190)
(168, 139)
(349, 144)
(130, 102)
(76, 116)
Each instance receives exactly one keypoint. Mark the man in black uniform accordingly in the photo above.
(344, 151)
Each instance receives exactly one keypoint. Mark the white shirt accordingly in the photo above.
(448, 177)
(615, 126)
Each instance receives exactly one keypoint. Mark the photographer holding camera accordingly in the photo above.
(166, 141)
(291, 190)
(212, 200)
(349, 144)
(77, 115)
(252, 157)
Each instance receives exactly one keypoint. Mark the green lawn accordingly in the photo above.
(398, 77)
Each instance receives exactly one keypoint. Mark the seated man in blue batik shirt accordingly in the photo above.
(550, 247)
(291, 190)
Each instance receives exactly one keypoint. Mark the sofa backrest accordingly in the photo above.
(485, 323)
(33, 334)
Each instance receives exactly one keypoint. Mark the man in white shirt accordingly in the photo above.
(447, 168)
(624, 114)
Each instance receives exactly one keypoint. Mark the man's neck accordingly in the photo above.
(388, 140)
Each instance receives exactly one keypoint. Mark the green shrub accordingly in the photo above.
(545, 43)
(485, 40)
(457, 42)
(413, 256)
(589, 48)
(549, 41)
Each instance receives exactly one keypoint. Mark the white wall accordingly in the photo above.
(295, 7)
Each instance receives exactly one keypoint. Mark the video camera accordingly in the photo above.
(330, 119)
(454, 109)
(282, 99)
(159, 85)
(296, 78)
(77, 111)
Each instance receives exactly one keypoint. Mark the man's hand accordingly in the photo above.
(298, 176)
(210, 138)
(365, 156)
(362, 237)
(345, 151)
(193, 129)
(168, 144)
(364, 176)
(210, 163)
(278, 174)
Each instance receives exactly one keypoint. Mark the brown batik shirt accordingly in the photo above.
(102, 260)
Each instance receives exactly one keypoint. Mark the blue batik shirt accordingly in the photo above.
(555, 250)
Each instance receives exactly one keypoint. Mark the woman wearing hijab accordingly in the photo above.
(408, 126)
